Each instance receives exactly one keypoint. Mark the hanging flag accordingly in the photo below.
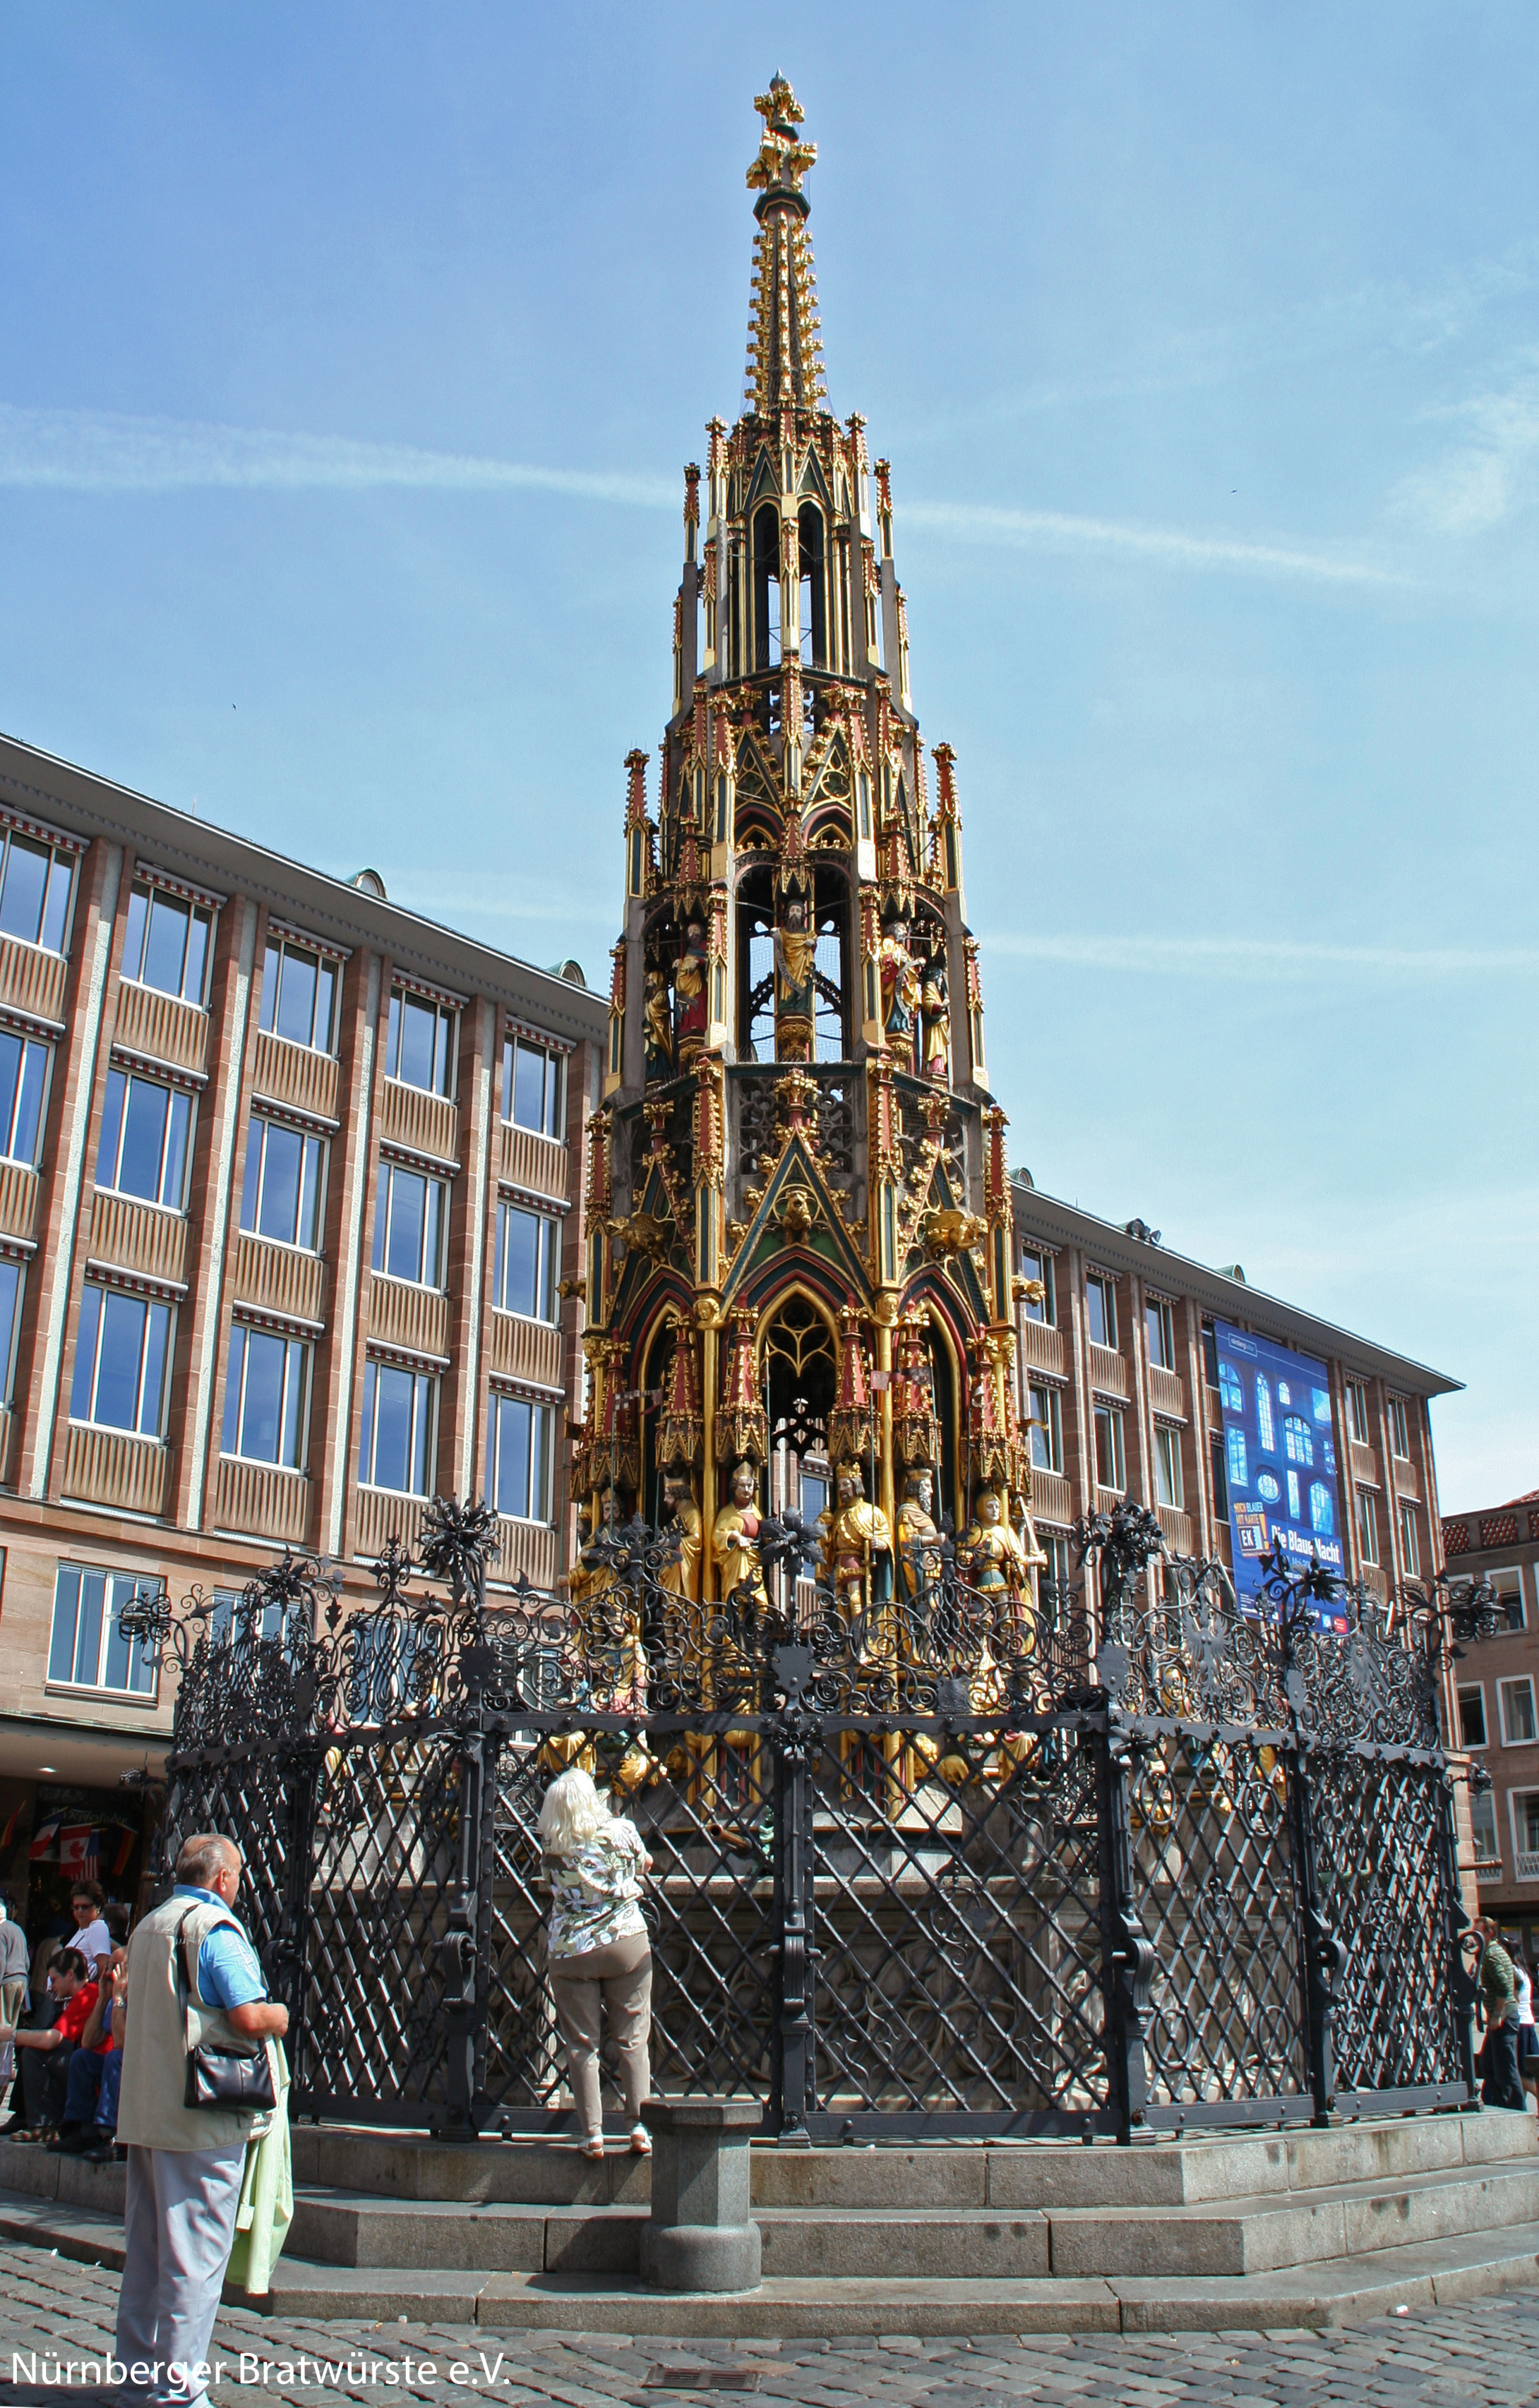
(8, 1834)
(42, 1839)
(124, 1850)
(78, 1848)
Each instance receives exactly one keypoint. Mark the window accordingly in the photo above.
(35, 891)
(1508, 1585)
(122, 1353)
(531, 1085)
(420, 1043)
(1101, 1303)
(1046, 1428)
(1231, 1394)
(1159, 1328)
(1525, 1827)
(408, 1222)
(23, 1085)
(1109, 1459)
(299, 995)
(1410, 1547)
(1399, 1436)
(167, 946)
(265, 1391)
(399, 1410)
(1298, 1438)
(1368, 1528)
(1322, 1516)
(1167, 1482)
(11, 1277)
(1471, 1717)
(224, 1629)
(89, 1648)
(284, 1188)
(1239, 1469)
(518, 1448)
(1515, 1697)
(1266, 1435)
(1488, 1848)
(1210, 1354)
(1037, 1264)
(525, 1267)
(1220, 1481)
(1356, 1411)
(144, 1147)
(1056, 1577)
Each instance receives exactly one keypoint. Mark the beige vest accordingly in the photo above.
(151, 2114)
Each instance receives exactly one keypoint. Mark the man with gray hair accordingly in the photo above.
(193, 1979)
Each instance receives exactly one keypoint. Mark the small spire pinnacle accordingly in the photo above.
(785, 355)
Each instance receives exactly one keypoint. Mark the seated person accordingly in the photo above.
(95, 2069)
(45, 2054)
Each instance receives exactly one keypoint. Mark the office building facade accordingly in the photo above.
(291, 1204)
(1495, 1712)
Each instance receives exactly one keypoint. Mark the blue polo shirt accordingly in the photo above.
(228, 1973)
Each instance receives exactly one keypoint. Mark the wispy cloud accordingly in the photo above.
(1487, 475)
(489, 899)
(1278, 962)
(97, 451)
(1129, 540)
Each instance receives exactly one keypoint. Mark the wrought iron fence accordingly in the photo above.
(951, 1859)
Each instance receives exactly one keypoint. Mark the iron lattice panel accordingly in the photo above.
(248, 1798)
(705, 1820)
(1216, 1888)
(957, 1926)
(1381, 1866)
(386, 1830)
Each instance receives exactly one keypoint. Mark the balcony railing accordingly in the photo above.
(1528, 1864)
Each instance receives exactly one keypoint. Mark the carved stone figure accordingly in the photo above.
(993, 1558)
(657, 1021)
(796, 950)
(899, 977)
(935, 1011)
(683, 1577)
(918, 1540)
(856, 1546)
(734, 1539)
(692, 983)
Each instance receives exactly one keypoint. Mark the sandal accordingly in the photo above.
(594, 2147)
(640, 2140)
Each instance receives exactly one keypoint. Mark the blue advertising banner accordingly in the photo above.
(1279, 1460)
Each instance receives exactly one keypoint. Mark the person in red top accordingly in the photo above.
(45, 2064)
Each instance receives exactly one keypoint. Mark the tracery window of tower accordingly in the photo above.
(814, 589)
(766, 587)
(759, 913)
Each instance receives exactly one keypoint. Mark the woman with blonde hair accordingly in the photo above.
(598, 1952)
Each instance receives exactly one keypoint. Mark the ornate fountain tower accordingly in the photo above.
(799, 1271)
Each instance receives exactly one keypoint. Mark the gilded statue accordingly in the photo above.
(658, 1022)
(684, 1576)
(992, 1557)
(856, 1546)
(935, 1012)
(734, 1539)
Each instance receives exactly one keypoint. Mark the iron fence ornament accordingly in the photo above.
(949, 1859)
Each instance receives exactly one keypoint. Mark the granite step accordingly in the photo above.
(1422, 2275)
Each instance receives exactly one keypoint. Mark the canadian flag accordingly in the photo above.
(43, 1838)
(77, 1847)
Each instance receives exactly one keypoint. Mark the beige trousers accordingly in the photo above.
(618, 1978)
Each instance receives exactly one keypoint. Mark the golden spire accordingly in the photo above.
(785, 355)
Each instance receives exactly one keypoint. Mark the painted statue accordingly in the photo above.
(795, 951)
(658, 1022)
(935, 1014)
(899, 977)
(684, 1575)
(856, 1546)
(918, 1540)
(692, 985)
(734, 1539)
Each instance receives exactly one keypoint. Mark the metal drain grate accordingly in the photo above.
(703, 2378)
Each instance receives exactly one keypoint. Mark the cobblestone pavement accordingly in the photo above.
(1485, 2354)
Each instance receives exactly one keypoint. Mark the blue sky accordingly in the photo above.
(352, 358)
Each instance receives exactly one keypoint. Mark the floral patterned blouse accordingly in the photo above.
(595, 1893)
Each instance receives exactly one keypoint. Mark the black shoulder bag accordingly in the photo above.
(234, 2081)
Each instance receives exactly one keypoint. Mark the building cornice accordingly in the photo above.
(307, 901)
(1056, 1224)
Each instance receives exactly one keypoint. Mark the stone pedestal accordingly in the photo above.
(701, 2235)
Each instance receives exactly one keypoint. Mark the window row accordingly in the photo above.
(1515, 1708)
(1523, 1812)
